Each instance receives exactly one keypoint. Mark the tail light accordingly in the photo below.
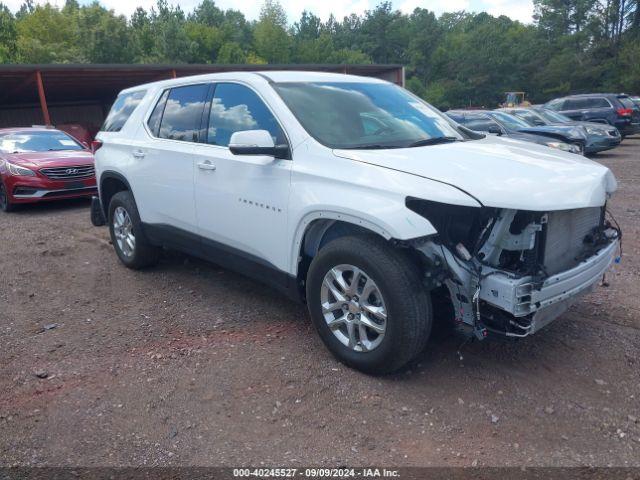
(95, 145)
(625, 112)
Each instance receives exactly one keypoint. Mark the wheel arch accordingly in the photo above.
(319, 228)
(111, 183)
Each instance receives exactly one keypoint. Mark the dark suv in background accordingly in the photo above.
(615, 109)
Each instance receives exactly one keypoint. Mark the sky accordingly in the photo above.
(516, 9)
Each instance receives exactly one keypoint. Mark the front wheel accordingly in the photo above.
(5, 203)
(368, 304)
(127, 237)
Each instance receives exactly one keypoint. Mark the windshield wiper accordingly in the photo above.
(433, 141)
(373, 146)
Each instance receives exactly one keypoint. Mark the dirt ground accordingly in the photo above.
(189, 364)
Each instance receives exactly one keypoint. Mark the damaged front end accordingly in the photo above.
(514, 271)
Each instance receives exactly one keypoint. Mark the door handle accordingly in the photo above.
(139, 154)
(206, 165)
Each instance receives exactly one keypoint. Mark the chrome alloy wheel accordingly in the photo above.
(353, 308)
(123, 230)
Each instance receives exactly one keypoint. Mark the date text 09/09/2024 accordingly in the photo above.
(315, 472)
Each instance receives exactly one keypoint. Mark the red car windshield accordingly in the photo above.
(23, 142)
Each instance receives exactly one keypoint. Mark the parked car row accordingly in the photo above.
(598, 137)
(586, 124)
(500, 123)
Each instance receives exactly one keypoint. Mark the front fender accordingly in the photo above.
(398, 222)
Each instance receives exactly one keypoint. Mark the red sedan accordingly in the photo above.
(42, 164)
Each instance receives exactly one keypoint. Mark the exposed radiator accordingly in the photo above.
(566, 230)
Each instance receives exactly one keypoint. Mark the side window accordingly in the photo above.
(572, 104)
(156, 115)
(121, 110)
(235, 108)
(183, 113)
(599, 102)
(480, 123)
(556, 104)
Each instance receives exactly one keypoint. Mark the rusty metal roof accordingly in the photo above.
(102, 82)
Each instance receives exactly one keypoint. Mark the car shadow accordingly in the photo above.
(52, 207)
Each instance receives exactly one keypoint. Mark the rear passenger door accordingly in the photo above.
(241, 200)
(163, 162)
(597, 109)
(574, 108)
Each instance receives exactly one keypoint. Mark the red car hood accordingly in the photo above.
(51, 159)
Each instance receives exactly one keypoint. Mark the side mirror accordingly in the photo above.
(539, 123)
(256, 142)
(85, 145)
(495, 129)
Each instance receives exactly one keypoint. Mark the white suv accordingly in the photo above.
(357, 197)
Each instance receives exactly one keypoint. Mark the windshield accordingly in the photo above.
(552, 116)
(53, 141)
(509, 121)
(365, 115)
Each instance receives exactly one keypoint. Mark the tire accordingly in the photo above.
(124, 223)
(5, 204)
(404, 300)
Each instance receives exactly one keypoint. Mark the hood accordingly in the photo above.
(502, 173)
(598, 126)
(51, 159)
(528, 137)
(605, 127)
(569, 132)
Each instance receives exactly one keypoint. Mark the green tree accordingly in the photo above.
(207, 13)
(8, 35)
(231, 53)
(104, 35)
(271, 39)
(385, 34)
(46, 35)
(205, 42)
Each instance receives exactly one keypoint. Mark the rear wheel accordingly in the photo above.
(368, 304)
(5, 203)
(127, 237)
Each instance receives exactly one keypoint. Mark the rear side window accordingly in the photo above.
(480, 123)
(156, 115)
(235, 108)
(556, 104)
(183, 113)
(121, 110)
(598, 102)
(576, 103)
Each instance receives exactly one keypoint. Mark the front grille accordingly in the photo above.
(69, 173)
(565, 234)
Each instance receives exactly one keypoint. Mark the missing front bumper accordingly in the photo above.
(534, 306)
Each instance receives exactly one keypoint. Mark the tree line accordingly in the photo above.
(452, 60)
